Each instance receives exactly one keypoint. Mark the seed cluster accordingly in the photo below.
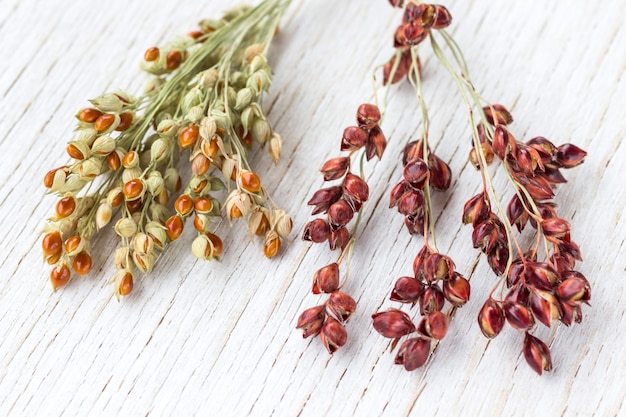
(538, 290)
(340, 203)
(408, 194)
(417, 21)
(203, 104)
(433, 282)
(539, 283)
(434, 277)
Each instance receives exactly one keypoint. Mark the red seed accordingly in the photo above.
(569, 155)
(402, 69)
(333, 335)
(418, 262)
(485, 236)
(416, 173)
(501, 139)
(407, 290)
(316, 231)
(322, 199)
(438, 267)
(335, 168)
(397, 192)
(339, 214)
(376, 143)
(413, 353)
(476, 210)
(443, 18)
(440, 174)
(353, 139)
(311, 321)
(434, 325)
(393, 323)
(497, 114)
(340, 305)
(541, 308)
(537, 354)
(541, 275)
(367, 115)
(339, 238)
(432, 300)
(518, 316)
(491, 318)
(573, 289)
(555, 228)
(457, 290)
(411, 202)
(356, 188)
(326, 279)
(516, 213)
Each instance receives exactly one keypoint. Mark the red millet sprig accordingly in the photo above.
(417, 21)
(340, 203)
(540, 287)
(434, 279)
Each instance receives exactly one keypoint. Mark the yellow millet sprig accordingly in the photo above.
(203, 102)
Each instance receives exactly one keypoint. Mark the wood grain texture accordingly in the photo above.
(199, 338)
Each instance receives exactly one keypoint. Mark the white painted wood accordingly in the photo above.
(200, 338)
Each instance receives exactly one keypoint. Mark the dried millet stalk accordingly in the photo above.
(340, 203)
(204, 104)
(540, 281)
(434, 277)
(541, 287)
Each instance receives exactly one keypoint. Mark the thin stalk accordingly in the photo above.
(392, 74)
(350, 245)
(416, 82)
(487, 180)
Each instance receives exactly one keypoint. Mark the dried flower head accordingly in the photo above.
(340, 204)
(185, 104)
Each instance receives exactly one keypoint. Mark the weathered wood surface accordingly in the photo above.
(200, 338)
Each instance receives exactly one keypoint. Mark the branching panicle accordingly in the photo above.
(203, 104)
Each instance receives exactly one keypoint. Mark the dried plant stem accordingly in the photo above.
(416, 82)
(484, 169)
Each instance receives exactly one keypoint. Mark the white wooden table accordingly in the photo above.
(199, 338)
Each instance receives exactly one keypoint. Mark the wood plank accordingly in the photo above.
(199, 338)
